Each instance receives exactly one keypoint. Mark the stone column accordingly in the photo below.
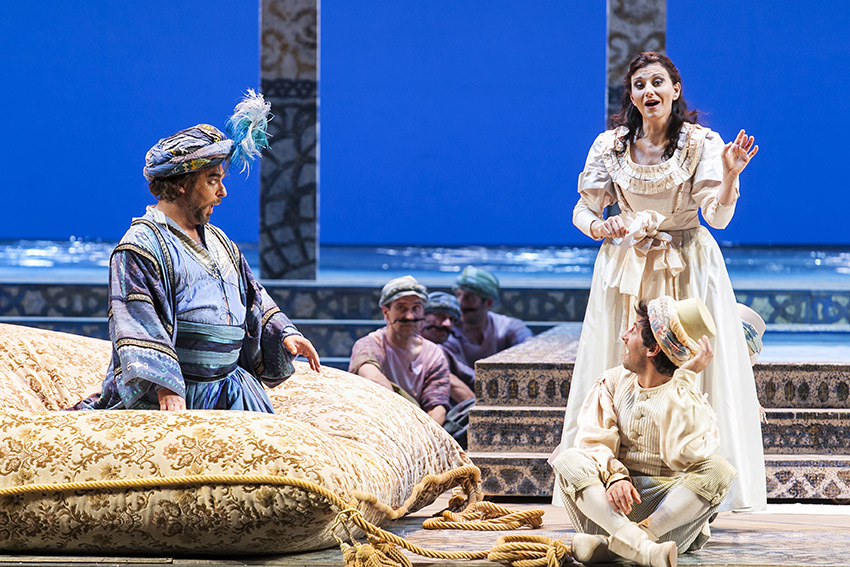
(633, 26)
(289, 195)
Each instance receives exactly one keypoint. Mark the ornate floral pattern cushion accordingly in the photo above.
(332, 429)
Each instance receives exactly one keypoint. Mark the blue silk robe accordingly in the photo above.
(190, 318)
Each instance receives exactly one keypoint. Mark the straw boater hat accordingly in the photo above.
(754, 328)
(677, 325)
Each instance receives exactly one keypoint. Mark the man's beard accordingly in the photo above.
(202, 213)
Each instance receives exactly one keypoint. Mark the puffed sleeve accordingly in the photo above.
(595, 188)
(689, 426)
(598, 433)
(707, 180)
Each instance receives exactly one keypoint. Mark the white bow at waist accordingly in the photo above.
(643, 243)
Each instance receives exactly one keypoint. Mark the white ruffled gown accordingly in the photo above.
(667, 252)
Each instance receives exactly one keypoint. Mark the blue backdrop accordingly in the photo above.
(441, 123)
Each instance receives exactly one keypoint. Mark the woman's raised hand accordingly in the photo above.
(738, 153)
(612, 227)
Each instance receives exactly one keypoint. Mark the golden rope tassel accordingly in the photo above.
(486, 516)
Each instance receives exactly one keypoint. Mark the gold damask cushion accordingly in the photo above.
(372, 418)
(47, 370)
(367, 447)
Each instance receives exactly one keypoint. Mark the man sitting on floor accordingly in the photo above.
(482, 333)
(442, 312)
(643, 470)
(398, 358)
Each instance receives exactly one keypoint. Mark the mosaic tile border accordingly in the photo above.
(538, 430)
(788, 478)
(309, 300)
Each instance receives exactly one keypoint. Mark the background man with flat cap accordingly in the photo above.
(398, 358)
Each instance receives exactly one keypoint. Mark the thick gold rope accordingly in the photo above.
(468, 476)
(486, 516)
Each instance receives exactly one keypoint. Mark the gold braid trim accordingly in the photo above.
(140, 297)
(146, 344)
(268, 315)
(143, 252)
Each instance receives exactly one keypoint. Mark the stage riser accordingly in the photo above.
(538, 430)
(800, 479)
(309, 300)
(779, 384)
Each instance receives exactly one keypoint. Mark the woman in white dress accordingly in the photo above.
(661, 167)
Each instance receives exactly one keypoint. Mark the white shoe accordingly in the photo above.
(590, 548)
(632, 543)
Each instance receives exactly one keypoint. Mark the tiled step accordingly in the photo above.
(788, 477)
(317, 300)
(534, 373)
(538, 430)
(525, 429)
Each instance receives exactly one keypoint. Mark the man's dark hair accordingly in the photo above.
(168, 188)
(662, 363)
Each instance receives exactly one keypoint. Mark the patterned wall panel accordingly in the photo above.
(289, 171)
(633, 26)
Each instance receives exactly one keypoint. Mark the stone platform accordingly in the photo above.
(522, 393)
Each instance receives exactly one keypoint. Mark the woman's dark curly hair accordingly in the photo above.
(168, 188)
(630, 116)
(662, 363)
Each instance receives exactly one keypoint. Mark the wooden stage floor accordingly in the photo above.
(786, 535)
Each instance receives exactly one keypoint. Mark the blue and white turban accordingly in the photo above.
(480, 282)
(204, 146)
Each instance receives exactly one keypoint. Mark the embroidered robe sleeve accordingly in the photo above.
(141, 327)
(266, 326)
(596, 190)
(706, 183)
(689, 425)
(598, 428)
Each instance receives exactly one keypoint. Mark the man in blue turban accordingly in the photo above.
(191, 327)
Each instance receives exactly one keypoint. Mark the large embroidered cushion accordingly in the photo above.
(333, 430)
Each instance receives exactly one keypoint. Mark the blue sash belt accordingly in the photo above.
(208, 352)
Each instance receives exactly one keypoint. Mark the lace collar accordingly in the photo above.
(658, 178)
